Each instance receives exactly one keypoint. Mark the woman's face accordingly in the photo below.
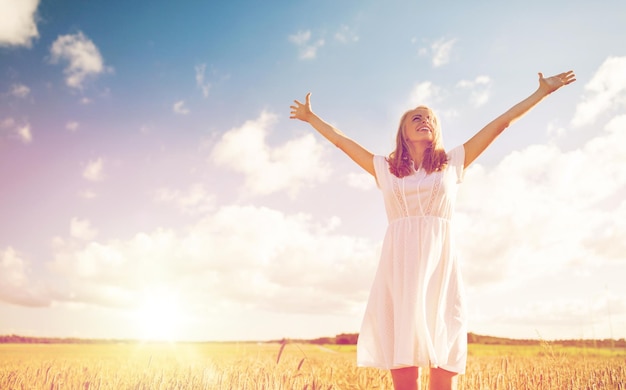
(420, 126)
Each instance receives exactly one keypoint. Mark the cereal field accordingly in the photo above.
(296, 366)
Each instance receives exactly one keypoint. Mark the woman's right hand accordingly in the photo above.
(302, 111)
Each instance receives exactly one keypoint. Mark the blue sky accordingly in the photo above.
(153, 185)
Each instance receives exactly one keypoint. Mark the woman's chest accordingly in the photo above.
(423, 192)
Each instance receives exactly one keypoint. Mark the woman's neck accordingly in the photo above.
(417, 154)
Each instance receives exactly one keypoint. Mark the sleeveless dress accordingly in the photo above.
(416, 314)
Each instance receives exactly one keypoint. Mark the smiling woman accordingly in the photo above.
(416, 315)
(159, 317)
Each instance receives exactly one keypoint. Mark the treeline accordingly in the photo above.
(472, 338)
(340, 339)
(15, 339)
(587, 343)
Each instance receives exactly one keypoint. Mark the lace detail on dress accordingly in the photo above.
(400, 197)
(433, 195)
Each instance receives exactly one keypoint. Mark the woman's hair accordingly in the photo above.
(435, 157)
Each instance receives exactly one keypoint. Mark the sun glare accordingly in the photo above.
(159, 317)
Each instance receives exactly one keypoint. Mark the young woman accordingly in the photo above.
(416, 315)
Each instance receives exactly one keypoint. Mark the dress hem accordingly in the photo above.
(452, 369)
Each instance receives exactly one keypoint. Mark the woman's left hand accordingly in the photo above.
(553, 83)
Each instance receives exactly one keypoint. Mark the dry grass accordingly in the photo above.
(293, 366)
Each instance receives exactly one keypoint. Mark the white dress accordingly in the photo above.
(416, 314)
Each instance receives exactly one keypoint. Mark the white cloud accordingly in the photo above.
(306, 49)
(200, 82)
(479, 88)
(606, 91)
(424, 93)
(24, 133)
(13, 130)
(301, 37)
(94, 170)
(179, 108)
(18, 25)
(432, 95)
(555, 131)
(7, 123)
(196, 200)
(542, 210)
(346, 35)
(16, 285)
(12, 268)
(439, 51)
(564, 312)
(72, 126)
(81, 54)
(87, 194)
(19, 90)
(230, 258)
(267, 169)
(362, 181)
(82, 230)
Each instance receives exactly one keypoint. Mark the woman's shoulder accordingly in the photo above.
(455, 154)
(456, 150)
(381, 163)
(456, 162)
(381, 167)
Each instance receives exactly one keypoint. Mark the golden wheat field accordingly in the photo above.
(294, 366)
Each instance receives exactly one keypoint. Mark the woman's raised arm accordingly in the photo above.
(360, 155)
(479, 142)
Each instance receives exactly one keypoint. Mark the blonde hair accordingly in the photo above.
(435, 157)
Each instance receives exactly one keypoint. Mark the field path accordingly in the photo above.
(326, 349)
